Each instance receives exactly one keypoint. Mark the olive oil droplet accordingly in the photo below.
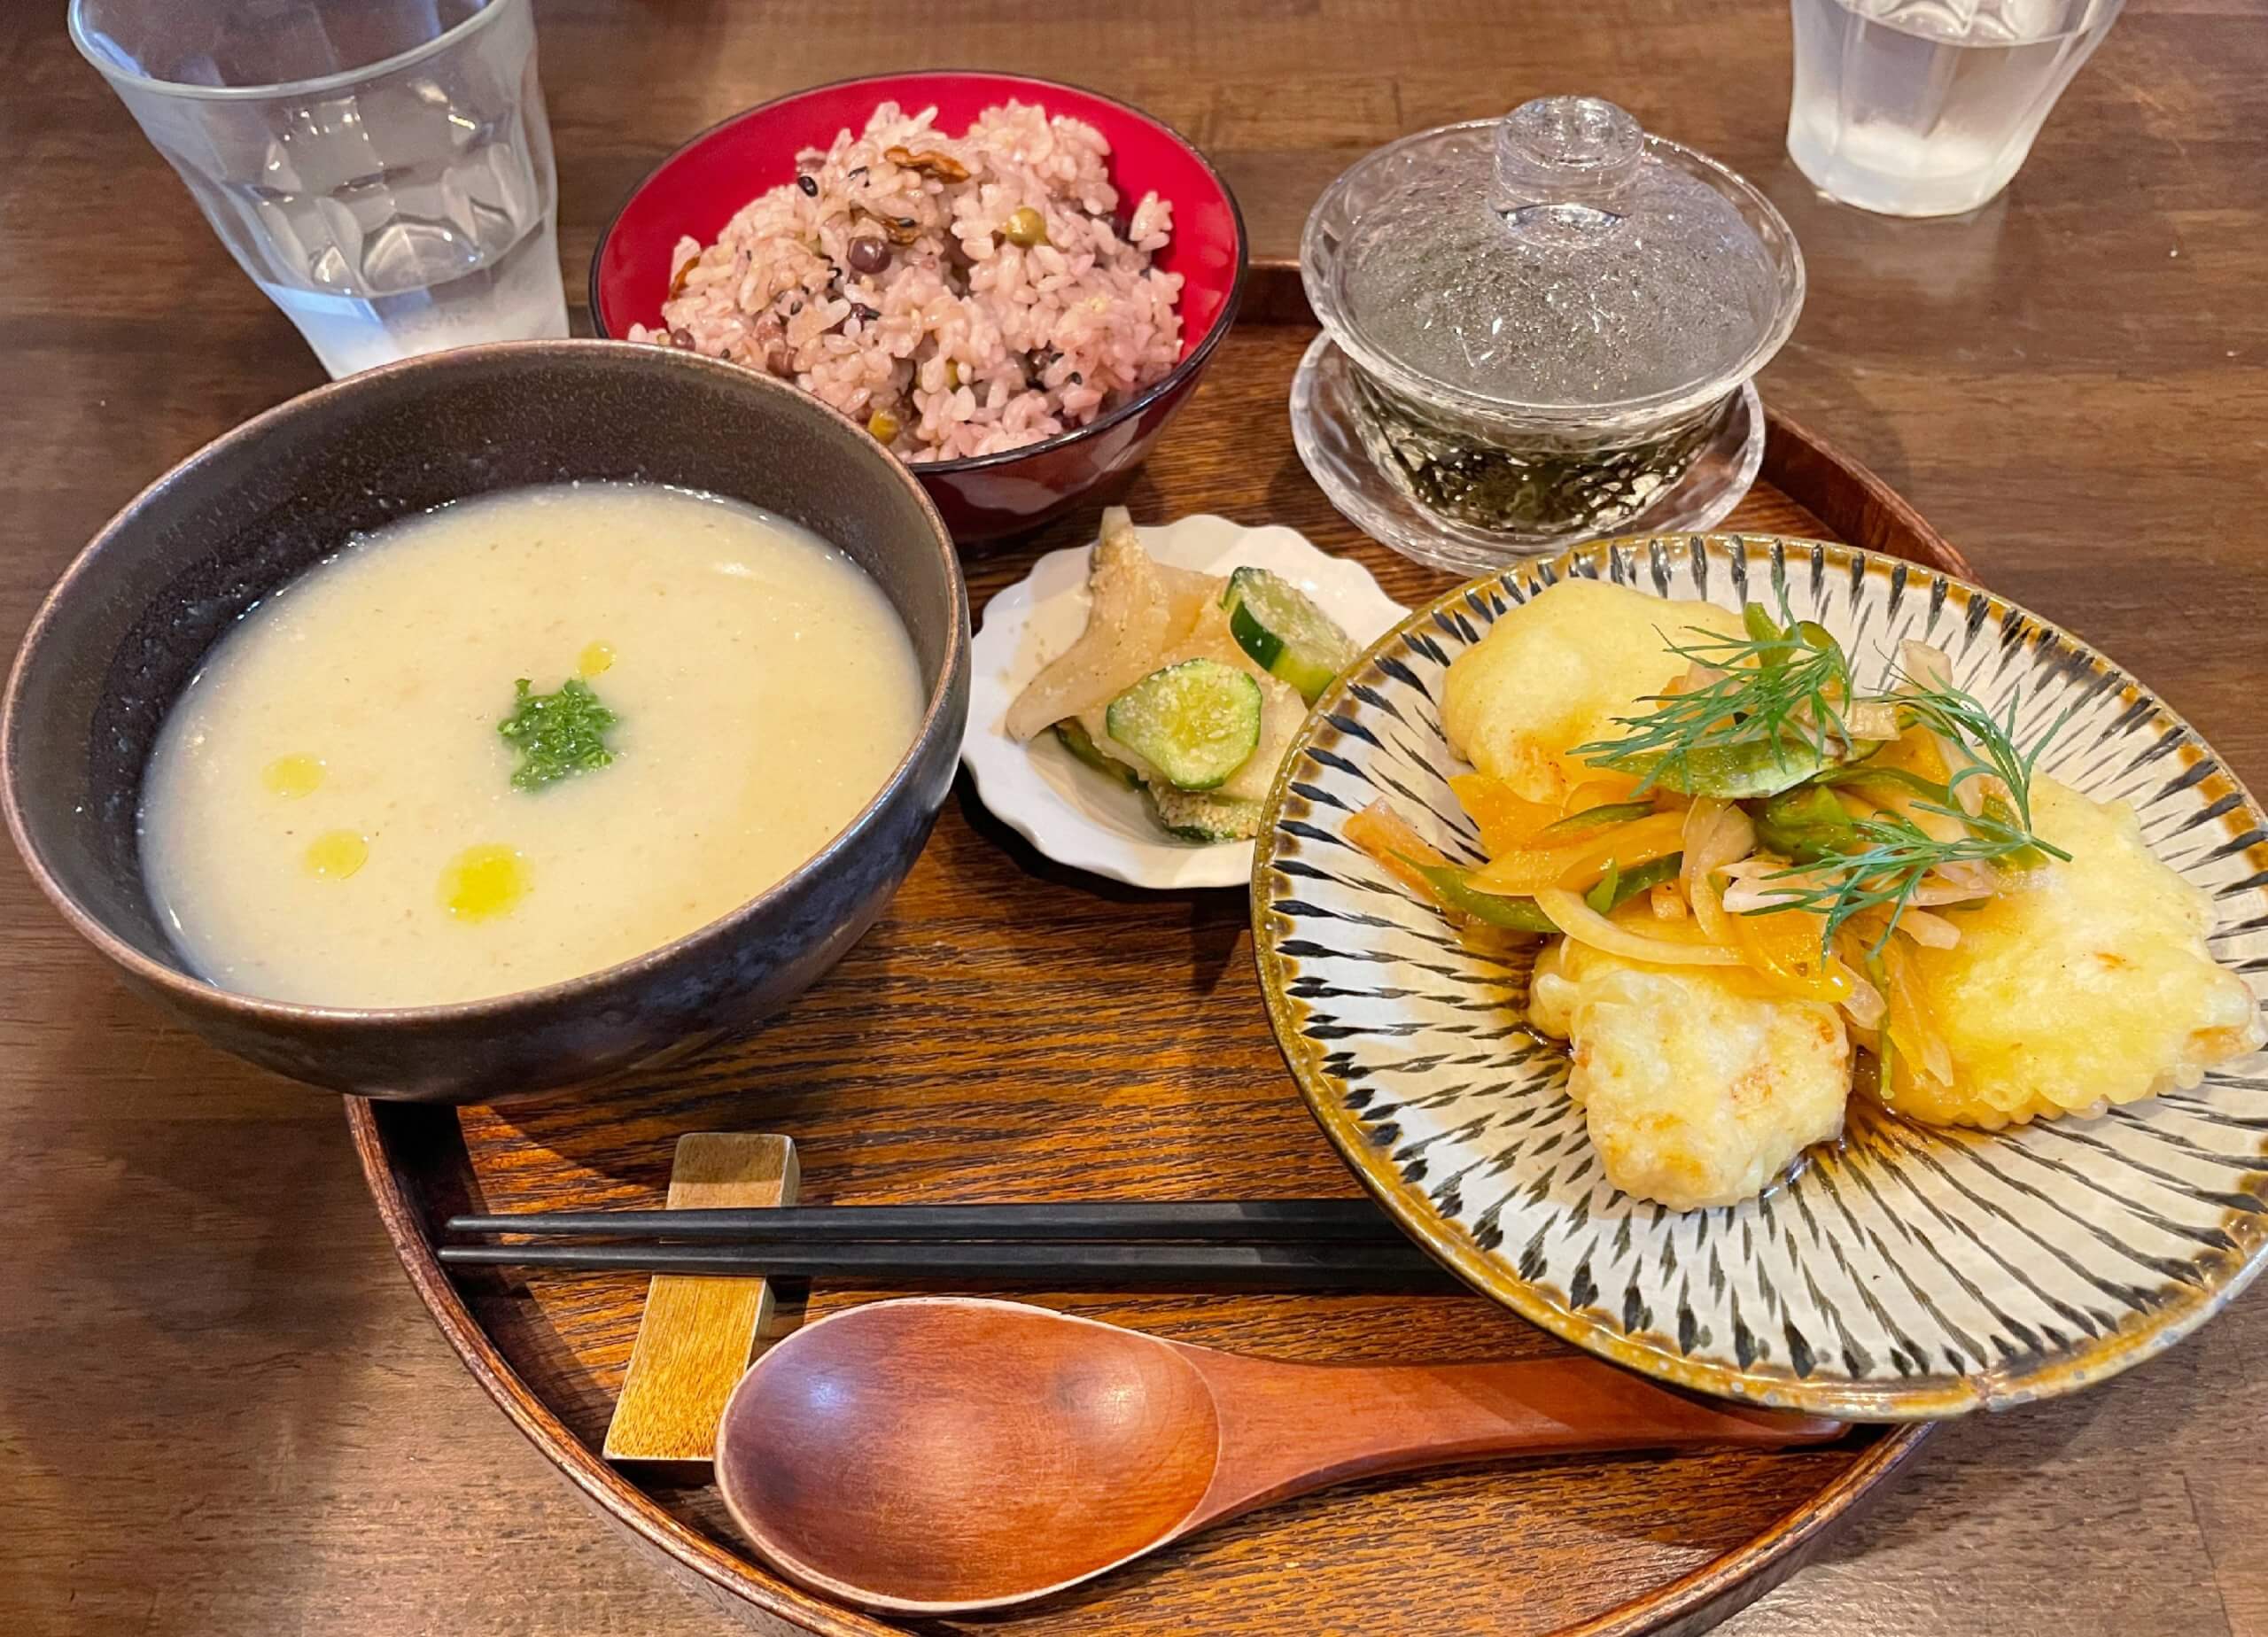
(483, 880)
(596, 658)
(337, 854)
(293, 777)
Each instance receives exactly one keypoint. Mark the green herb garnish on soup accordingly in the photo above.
(557, 734)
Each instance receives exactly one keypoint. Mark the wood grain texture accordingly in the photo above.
(943, 1454)
(2071, 382)
(1013, 1030)
(696, 1335)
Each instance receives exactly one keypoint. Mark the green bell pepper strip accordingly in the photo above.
(1941, 798)
(1804, 825)
(1452, 886)
(1598, 817)
(1615, 888)
(1735, 772)
(1861, 773)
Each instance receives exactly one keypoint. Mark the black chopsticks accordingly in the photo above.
(1242, 1244)
(1237, 1267)
(1208, 1222)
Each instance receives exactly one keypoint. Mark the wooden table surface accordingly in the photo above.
(220, 1408)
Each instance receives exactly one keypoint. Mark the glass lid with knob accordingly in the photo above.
(1560, 259)
(1505, 299)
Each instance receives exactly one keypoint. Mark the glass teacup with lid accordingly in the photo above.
(1537, 331)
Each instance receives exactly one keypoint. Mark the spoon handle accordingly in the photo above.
(1289, 1428)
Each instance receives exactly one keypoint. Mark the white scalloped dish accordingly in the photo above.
(1069, 812)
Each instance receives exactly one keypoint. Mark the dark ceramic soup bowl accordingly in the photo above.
(132, 619)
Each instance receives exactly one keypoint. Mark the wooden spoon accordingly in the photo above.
(936, 1454)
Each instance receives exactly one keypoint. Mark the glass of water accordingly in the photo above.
(1927, 107)
(382, 168)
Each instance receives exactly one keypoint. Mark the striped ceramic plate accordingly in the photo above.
(1912, 1272)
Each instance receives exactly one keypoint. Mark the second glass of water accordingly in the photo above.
(1929, 108)
(382, 168)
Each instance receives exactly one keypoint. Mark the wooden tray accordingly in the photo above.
(1014, 1031)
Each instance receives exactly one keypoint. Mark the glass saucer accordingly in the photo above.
(1323, 428)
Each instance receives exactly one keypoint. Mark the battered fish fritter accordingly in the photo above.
(1556, 672)
(2077, 983)
(1698, 1087)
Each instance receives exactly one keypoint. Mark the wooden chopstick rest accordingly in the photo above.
(698, 1334)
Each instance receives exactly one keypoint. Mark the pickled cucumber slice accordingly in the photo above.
(1205, 816)
(1080, 743)
(1196, 722)
(1287, 636)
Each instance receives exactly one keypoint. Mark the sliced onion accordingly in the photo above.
(1756, 866)
(1384, 837)
(1937, 825)
(1746, 897)
(1764, 883)
(1970, 876)
(1716, 834)
(1911, 1027)
(1864, 1006)
(1929, 668)
(1925, 666)
(1871, 718)
(1970, 794)
(1933, 932)
(1931, 894)
(1586, 925)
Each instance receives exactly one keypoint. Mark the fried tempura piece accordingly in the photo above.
(2078, 983)
(1556, 672)
(1697, 1087)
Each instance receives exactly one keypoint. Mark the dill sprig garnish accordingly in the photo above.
(1783, 689)
(1775, 715)
(1881, 866)
(1882, 863)
(1962, 720)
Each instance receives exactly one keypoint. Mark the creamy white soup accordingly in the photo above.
(354, 803)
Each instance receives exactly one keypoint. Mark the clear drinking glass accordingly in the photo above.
(1927, 107)
(382, 168)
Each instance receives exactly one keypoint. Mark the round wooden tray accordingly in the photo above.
(1013, 1031)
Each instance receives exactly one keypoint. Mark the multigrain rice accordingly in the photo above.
(896, 290)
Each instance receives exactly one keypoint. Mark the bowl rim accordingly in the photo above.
(179, 983)
(121, 73)
(1171, 381)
